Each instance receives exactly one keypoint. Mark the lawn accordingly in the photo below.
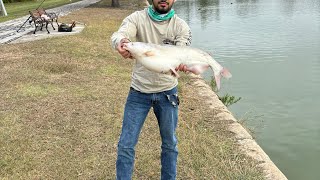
(61, 109)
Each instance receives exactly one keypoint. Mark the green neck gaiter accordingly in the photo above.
(159, 17)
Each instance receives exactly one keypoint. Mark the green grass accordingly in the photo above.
(61, 109)
(19, 9)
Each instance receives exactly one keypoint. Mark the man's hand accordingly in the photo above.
(196, 69)
(124, 53)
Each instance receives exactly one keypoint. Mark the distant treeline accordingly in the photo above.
(12, 1)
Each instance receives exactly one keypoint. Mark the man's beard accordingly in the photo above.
(162, 11)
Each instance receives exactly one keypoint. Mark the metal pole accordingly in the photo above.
(3, 9)
(40, 4)
(28, 17)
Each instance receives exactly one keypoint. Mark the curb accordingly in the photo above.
(245, 141)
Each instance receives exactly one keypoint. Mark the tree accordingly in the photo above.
(115, 3)
(3, 11)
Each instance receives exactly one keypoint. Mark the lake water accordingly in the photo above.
(272, 48)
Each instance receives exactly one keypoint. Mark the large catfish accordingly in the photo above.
(165, 58)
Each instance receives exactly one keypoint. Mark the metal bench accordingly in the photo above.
(38, 21)
(49, 16)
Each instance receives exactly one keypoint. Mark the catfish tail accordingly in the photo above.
(224, 73)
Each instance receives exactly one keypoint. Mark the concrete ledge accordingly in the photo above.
(245, 141)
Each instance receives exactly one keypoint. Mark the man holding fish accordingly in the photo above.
(156, 24)
(154, 79)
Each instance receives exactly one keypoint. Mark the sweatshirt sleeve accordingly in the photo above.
(127, 29)
(184, 36)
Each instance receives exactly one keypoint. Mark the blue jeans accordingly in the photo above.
(165, 107)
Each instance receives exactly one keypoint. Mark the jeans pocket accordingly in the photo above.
(173, 99)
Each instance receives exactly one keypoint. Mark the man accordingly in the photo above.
(157, 24)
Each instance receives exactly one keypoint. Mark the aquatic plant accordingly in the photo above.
(227, 99)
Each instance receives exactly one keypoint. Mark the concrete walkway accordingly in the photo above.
(8, 29)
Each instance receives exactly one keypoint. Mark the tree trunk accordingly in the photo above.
(115, 3)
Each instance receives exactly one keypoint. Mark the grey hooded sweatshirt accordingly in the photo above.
(141, 28)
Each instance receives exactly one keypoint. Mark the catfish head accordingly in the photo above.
(139, 50)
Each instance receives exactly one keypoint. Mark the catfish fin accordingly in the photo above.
(149, 53)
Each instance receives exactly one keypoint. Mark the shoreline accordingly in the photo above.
(245, 141)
